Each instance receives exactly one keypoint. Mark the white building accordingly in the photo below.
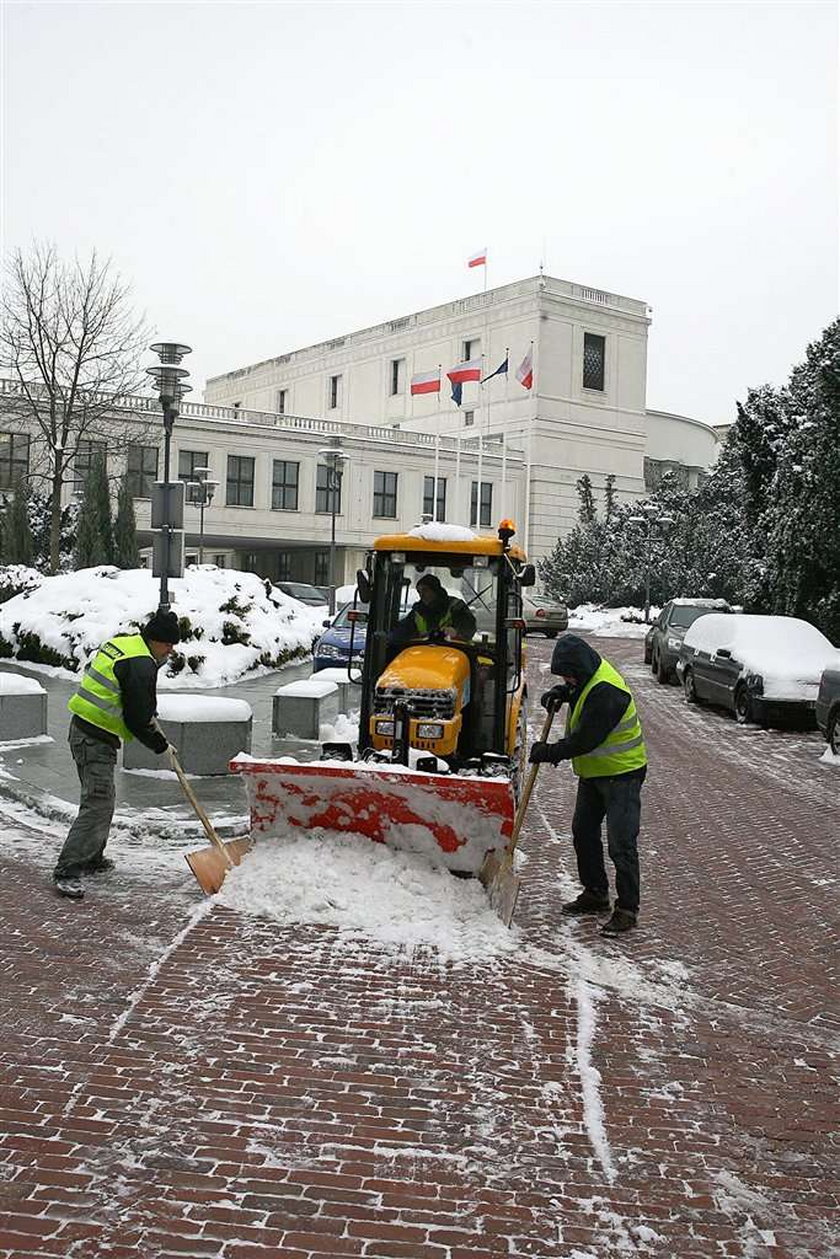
(585, 412)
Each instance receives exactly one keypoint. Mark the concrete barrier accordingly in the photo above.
(23, 707)
(206, 730)
(301, 708)
(349, 693)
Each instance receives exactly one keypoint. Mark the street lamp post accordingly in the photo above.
(334, 459)
(205, 489)
(169, 378)
(652, 521)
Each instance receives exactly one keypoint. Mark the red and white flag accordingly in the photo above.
(525, 370)
(471, 370)
(426, 382)
(478, 260)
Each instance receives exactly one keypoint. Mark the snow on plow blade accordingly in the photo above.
(454, 820)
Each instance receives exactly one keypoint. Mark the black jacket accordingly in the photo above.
(137, 676)
(461, 619)
(603, 708)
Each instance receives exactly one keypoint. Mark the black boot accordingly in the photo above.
(622, 920)
(587, 903)
(69, 886)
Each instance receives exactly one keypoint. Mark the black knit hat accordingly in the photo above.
(432, 581)
(162, 627)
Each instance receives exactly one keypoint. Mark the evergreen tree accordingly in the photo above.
(17, 545)
(94, 535)
(126, 550)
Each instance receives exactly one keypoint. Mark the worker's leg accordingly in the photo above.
(86, 839)
(624, 807)
(586, 833)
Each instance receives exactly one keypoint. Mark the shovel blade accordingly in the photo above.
(501, 884)
(209, 865)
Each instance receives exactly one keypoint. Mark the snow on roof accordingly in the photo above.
(787, 653)
(310, 688)
(436, 531)
(700, 603)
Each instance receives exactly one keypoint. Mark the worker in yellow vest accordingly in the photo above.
(604, 742)
(115, 700)
(435, 612)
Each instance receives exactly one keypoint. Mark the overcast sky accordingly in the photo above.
(271, 175)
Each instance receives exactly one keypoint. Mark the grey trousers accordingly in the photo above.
(87, 837)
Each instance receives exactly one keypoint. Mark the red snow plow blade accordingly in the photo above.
(456, 820)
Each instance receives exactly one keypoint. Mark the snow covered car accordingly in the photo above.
(763, 668)
(664, 638)
(828, 707)
(313, 596)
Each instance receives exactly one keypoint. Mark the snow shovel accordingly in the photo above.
(209, 865)
(497, 873)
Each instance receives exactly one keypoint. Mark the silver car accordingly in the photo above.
(544, 616)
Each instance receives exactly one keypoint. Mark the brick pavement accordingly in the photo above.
(179, 1082)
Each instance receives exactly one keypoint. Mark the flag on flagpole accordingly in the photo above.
(501, 370)
(425, 382)
(478, 260)
(470, 370)
(525, 370)
(457, 391)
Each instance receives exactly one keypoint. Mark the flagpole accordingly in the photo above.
(437, 453)
(503, 504)
(457, 475)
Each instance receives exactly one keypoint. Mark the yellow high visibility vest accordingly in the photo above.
(624, 748)
(98, 698)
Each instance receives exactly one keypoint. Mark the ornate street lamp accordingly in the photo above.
(334, 458)
(654, 525)
(169, 378)
(202, 496)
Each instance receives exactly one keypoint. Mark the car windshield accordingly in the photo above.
(306, 594)
(341, 621)
(684, 615)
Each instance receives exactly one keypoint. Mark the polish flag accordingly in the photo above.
(425, 382)
(525, 370)
(471, 370)
(478, 260)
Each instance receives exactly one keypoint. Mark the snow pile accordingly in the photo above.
(436, 531)
(199, 708)
(229, 623)
(367, 891)
(611, 622)
(15, 684)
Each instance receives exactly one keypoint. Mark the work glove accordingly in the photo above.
(542, 754)
(558, 695)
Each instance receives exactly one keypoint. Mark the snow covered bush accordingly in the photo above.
(16, 578)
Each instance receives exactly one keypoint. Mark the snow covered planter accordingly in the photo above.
(207, 731)
(300, 708)
(23, 707)
(349, 693)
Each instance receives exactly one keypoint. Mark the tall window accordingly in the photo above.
(284, 485)
(397, 376)
(484, 518)
(284, 566)
(322, 568)
(472, 349)
(14, 458)
(594, 357)
(385, 494)
(282, 401)
(334, 392)
(240, 481)
(188, 461)
(429, 497)
(469, 419)
(324, 495)
(141, 470)
(86, 455)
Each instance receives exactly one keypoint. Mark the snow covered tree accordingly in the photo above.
(16, 545)
(73, 346)
(94, 535)
(126, 550)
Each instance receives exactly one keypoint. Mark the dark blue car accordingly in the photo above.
(332, 650)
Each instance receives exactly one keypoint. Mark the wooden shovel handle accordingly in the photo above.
(530, 780)
(209, 829)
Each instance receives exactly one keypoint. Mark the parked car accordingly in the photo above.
(664, 638)
(762, 668)
(332, 649)
(545, 616)
(313, 595)
(828, 707)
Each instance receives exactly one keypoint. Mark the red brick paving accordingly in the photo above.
(272, 1091)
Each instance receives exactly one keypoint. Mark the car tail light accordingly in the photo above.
(540, 612)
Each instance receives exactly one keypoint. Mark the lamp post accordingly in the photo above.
(652, 522)
(204, 489)
(169, 378)
(334, 458)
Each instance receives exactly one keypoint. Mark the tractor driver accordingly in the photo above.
(435, 612)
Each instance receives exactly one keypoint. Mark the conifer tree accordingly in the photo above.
(17, 545)
(94, 535)
(126, 550)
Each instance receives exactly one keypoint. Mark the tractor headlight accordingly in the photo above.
(429, 730)
(385, 728)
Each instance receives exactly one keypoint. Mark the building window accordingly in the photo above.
(141, 470)
(483, 520)
(469, 419)
(327, 497)
(429, 497)
(282, 401)
(188, 461)
(86, 455)
(284, 566)
(594, 357)
(472, 349)
(240, 481)
(385, 494)
(14, 458)
(284, 485)
(397, 376)
(219, 561)
(322, 568)
(334, 393)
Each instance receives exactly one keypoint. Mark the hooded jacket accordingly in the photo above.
(603, 708)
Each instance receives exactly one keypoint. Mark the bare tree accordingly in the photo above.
(73, 346)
